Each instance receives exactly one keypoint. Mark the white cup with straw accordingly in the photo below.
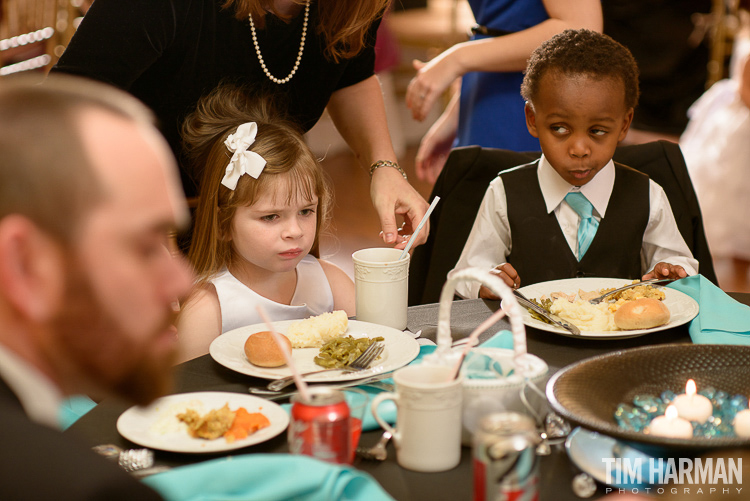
(381, 277)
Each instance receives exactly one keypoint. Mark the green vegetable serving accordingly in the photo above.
(342, 351)
(546, 304)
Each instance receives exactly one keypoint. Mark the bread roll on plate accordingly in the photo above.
(262, 350)
(643, 313)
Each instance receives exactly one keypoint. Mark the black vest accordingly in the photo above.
(539, 250)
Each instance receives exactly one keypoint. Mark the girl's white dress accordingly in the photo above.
(716, 146)
(312, 296)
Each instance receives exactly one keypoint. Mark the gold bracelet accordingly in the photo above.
(387, 163)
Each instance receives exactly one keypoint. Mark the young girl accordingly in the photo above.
(263, 201)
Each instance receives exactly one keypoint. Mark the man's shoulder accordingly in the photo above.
(42, 463)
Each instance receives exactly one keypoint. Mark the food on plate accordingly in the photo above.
(315, 331)
(210, 426)
(584, 315)
(342, 351)
(232, 425)
(576, 308)
(245, 423)
(642, 313)
(635, 293)
(262, 350)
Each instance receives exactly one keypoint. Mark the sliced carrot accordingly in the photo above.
(245, 423)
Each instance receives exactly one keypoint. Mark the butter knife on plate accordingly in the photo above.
(524, 301)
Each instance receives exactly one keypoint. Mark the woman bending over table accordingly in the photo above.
(169, 53)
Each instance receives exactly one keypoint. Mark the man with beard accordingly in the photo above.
(88, 194)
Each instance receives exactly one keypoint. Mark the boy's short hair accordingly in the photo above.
(584, 52)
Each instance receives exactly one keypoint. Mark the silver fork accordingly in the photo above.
(661, 281)
(360, 363)
(378, 451)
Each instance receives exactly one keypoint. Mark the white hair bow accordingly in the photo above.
(243, 161)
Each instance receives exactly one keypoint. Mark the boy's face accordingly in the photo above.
(579, 122)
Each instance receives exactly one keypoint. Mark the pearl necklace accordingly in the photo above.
(299, 54)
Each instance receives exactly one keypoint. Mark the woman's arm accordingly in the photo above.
(506, 53)
(437, 142)
(359, 115)
(198, 323)
(342, 288)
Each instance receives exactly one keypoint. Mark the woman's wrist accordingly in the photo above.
(386, 163)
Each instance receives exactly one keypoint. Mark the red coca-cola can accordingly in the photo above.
(320, 427)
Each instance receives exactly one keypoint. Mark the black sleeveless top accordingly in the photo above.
(541, 253)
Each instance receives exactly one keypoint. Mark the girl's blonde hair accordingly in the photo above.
(288, 160)
(343, 23)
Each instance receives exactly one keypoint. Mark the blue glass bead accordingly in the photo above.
(708, 392)
(725, 430)
(667, 396)
(738, 403)
(648, 403)
(719, 398)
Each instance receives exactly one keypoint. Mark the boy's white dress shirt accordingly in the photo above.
(490, 241)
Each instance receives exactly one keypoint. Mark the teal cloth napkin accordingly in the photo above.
(721, 319)
(72, 409)
(266, 477)
(503, 339)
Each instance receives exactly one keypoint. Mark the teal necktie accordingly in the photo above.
(588, 225)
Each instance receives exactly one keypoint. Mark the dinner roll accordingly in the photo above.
(643, 313)
(261, 349)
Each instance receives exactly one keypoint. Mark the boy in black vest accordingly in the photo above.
(574, 212)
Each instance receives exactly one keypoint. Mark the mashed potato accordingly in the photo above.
(584, 315)
(315, 331)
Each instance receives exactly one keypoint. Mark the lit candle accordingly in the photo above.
(670, 425)
(741, 424)
(692, 406)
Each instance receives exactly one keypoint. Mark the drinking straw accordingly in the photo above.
(419, 226)
(301, 385)
(473, 339)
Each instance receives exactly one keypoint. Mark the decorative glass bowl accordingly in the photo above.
(588, 392)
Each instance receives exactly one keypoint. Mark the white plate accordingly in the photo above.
(400, 349)
(682, 307)
(588, 449)
(156, 426)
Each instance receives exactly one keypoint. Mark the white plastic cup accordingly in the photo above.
(381, 283)
(428, 421)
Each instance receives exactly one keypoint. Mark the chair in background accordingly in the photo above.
(469, 170)
(34, 33)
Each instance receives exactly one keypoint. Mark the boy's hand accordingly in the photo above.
(509, 276)
(665, 270)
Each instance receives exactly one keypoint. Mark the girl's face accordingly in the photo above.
(274, 235)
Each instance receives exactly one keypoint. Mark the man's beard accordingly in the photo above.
(99, 355)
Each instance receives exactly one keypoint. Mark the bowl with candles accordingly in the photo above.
(669, 395)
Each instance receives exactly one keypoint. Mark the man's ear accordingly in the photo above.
(530, 119)
(31, 269)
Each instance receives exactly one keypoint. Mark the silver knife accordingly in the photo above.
(544, 313)
(369, 381)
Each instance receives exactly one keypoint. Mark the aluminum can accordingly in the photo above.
(506, 466)
(320, 427)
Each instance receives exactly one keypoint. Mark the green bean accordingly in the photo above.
(342, 351)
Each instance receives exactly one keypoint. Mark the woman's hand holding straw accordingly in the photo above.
(419, 227)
